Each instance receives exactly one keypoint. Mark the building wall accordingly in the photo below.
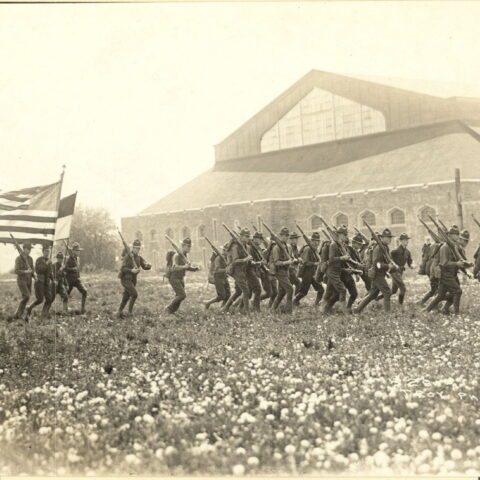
(277, 213)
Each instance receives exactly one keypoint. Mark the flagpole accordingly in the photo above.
(59, 195)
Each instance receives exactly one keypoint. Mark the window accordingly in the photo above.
(170, 233)
(315, 222)
(153, 235)
(341, 219)
(321, 117)
(139, 235)
(186, 232)
(201, 231)
(397, 217)
(426, 211)
(369, 217)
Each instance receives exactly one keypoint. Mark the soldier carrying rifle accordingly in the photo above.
(24, 272)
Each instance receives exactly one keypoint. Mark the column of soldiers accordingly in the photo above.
(274, 270)
(49, 279)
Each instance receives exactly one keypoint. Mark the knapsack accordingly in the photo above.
(169, 262)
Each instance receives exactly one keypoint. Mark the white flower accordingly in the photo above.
(238, 470)
(290, 449)
(132, 459)
(437, 436)
(93, 437)
(148, 419)
(280, 436)
(159, 453)
(381, 459)
(81, 396)
(253, 461)
(305, 443)
(44, 430)
(423, 434)
(456, 454)
(170, 451)
(137, 447)
(240, 451)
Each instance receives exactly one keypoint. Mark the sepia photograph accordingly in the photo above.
(240, 239)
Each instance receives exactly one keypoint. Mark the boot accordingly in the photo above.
(318, 298)
(45, 311)
(65, 306)
(130, 306)
(456, 303)
(386, 303)
(343, 306)
(84, 301)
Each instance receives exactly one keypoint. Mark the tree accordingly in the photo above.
(95, 231)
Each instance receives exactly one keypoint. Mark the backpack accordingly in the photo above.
(169, 262)
(211, 270)
(324, 255)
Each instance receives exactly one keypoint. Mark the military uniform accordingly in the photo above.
(58, 282)
(449, 286)
(269, 282)
(285, 288)
(42, 286)
(253, 277)
(432, 269)
(128, 279)
(401, 256)
(381, 265)
(177, 278)
(220, 280)
(72, 274)
(309, 265)
(24, 280)
(293, 270)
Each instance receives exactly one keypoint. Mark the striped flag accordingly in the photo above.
(29, 214)
(65, 215)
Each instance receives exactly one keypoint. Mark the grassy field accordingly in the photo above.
(214, 394)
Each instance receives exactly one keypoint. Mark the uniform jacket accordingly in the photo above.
(21, 264)
(127, 265)
(44, 269)
(278, 255)
(71, 271)
(335, 265)
(447, 262)
(379, 260)
(402, 256)
(178, 261)
(219, 266)
(58, 276)
(237, 253)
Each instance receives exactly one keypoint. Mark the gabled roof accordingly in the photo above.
(428, 161)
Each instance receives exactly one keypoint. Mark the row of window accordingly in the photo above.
(396, 216)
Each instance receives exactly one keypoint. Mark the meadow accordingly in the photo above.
(204, 393)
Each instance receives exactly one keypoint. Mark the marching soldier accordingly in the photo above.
(281, 262)
(176, 278)
(401, 256)
(432, 269)
(58, 284)
(43, 283)
(254, 270)
(358, 250)
(24, 272)
(380, 265)
(72, 273)
(269, 282)
(128, 277)
(220, 279)
(294, 253)
(449, 283)
(308, 268)
(336, 263)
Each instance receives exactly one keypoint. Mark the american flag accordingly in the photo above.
(30, 214)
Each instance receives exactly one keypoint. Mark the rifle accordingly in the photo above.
(125, 246)
(475, 220)
(24, 257)
(214, 248)
(380, 244)
(236, 239)
(178, 250)
(254, 227)
(334, 237)
(22, 254)
(457, 255)
(70, 253)
(364, 238)
(434, 236)
(277, 240)
(308, 242)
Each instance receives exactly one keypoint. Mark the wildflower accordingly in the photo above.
(132, 459)
(44, 430)
(238, 470)
(456, 454)
(93, 437)
(437, 436)
(423, 434)
(290, 449)
(148, 419)
(170, 451)
(253, 461)
(280, 436)
(240, 451)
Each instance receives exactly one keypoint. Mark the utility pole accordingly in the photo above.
(458, 198)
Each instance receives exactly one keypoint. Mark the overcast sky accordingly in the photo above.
(132, 97)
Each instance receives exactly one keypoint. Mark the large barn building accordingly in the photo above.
(336, 146)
